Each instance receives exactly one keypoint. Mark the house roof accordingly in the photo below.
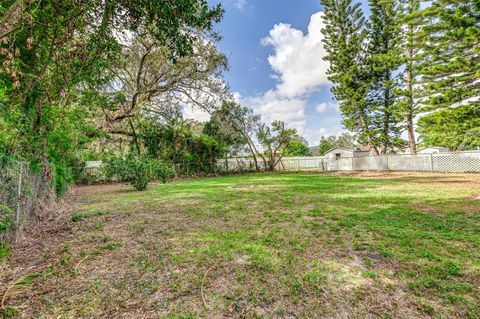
(340, 148)
(435, 147)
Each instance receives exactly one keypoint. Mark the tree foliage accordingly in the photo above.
(296, 148)
(240, 121)
(457, 128)
(410, 58)
(275, 139)
(412, 37)
(450, 72)
(328, 142)
(54, 54)
(384, 60)
(176, 142)
(344, 41)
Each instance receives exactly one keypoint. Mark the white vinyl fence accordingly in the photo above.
(468, 162)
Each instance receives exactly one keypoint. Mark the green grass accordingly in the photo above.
(274, 246)
(4, 251)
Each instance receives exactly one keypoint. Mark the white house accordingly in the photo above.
(433, 150)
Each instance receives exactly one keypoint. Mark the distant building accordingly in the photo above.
(341, 152)
(361, 151)
(314, 150)
(433, 150)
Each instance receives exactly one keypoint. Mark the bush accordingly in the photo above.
(6, 219)
(138, 170)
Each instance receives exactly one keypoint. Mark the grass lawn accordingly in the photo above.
(260, 246)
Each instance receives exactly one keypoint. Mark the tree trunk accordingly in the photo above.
(251, 150)
(411, 134)
(373, 149)
(257, 153)
(135, 137)
(386, 115)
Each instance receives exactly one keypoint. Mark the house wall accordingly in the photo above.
(344, 153)
(361, 154)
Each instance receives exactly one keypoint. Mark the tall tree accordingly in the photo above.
(408, 106)
(50, 50)
(383, 30)
(148, 81)
(344, 43)
(240, 119)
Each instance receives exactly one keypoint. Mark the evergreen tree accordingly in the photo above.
(408, 105)
(344, 43)
(457, 128)
(450, 71)
(384, 61)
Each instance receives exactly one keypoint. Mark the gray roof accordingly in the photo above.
(436, 147)
(340, 148)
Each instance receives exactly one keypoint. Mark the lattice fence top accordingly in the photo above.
(439, 162)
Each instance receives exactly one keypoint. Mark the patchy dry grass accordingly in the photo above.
(261, 246)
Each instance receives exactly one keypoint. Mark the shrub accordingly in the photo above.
(76, 217)
(6, 219)
(164, 173)
(138, 170)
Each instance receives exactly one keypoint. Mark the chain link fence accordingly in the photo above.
(460, 162)
(21, 191)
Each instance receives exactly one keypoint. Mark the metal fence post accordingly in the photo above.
(18, 211)
(431, 162)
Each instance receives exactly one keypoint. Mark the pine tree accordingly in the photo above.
(451, 70)
(344, 43)
(384, 61)
(457, 128)
(408, 105)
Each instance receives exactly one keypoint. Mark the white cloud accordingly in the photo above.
(325, 106)
(240, 4)
(299, 70)
(298, 58)
(313, 135)
(194, 113)
(272, 107)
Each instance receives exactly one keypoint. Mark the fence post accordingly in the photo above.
(431, 162)
(353, 164)
(17, 214)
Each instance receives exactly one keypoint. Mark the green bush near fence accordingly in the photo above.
(138, 170)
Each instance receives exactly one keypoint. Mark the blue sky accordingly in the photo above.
(275, 54)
